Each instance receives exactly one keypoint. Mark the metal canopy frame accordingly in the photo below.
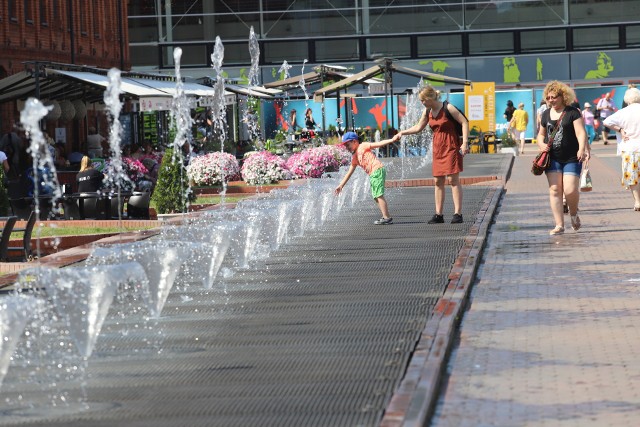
(387, 67)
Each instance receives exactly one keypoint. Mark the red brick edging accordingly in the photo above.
(414, 401)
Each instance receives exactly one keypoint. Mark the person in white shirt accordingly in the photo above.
(4, 161)
(94, 143)
(605, 108)
(626, 123)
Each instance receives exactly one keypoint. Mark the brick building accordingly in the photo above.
(79, 32)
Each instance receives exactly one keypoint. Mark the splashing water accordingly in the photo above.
(219, 108)
(284, 74)
(284, 70)
(181, 121)
(303, 85)
(249, 115)
(418, 144)
(45, 179)
(254, 52)
(116, 178)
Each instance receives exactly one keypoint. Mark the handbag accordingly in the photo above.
(543, 159)
(541, 163)
(585, 180)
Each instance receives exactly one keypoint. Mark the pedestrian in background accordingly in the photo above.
(627, 122)
(447, 148)
(520, 121)
(367, 160)
(543, 106)
(589, 122)
(562, 133)
(605, 107)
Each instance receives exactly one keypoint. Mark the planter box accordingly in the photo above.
(509, 150)
(241, 188)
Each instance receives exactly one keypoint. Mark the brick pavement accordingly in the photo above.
(550, 336)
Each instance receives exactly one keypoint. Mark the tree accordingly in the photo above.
(172, 193)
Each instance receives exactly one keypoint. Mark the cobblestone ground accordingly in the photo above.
(550, 337)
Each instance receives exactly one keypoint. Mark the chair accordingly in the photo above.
(21, 207)
(117, 206)
(45, 204)
(138, 205)
(476, 144)
(489, 138)
(6, 236)
(92, 206)
(24, 252)
(71, 209)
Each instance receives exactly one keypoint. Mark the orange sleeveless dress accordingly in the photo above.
(447, 159)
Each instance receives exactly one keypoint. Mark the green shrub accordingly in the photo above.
(172, 193)
(4, 195)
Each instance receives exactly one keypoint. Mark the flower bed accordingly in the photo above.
(213, 168)
(264, 167)
(313, 162)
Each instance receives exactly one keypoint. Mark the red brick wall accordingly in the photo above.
(96, 27)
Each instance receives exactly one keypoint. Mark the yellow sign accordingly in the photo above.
(480, 105)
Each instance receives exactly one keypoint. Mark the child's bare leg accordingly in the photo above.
(382, 204)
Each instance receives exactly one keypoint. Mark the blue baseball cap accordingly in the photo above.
(349, 136)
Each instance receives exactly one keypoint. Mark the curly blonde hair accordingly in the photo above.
(561, 89)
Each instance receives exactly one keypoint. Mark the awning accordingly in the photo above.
(58, 84)
(320, 74)
(309, 78)
(430, 76)
(345, 83)
(252, 91)
(137, 86)
(363, 76)
(22, 85)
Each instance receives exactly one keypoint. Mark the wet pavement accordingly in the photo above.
(320, 333)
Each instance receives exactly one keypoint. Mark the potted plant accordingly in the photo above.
(508, 144)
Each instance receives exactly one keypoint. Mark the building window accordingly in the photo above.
(633, 36)
(12, 10)
(83, 19)
(28, 12)
(543, 41)
(491, 43)
(97, 5)
(590, 38)
(439, 45)
(44, 18)
(56, 13)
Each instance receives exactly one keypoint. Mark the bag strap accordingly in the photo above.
(555, 129)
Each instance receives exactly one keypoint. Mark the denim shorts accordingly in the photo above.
(377, 180)
(573, 168)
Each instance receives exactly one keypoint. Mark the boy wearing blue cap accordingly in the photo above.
(367, 160)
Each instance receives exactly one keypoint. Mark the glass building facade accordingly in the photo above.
(474, 39)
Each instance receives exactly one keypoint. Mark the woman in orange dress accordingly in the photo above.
(448, 150)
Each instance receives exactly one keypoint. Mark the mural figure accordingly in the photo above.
(438, 67)
(377, 112)
(538, 69)
(604, 66)
(511, 70)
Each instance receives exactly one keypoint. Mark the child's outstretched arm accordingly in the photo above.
(381, 143)
(344, 180)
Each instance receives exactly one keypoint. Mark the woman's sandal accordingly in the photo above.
(636, 208)
(557, 231)
(575, 222)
